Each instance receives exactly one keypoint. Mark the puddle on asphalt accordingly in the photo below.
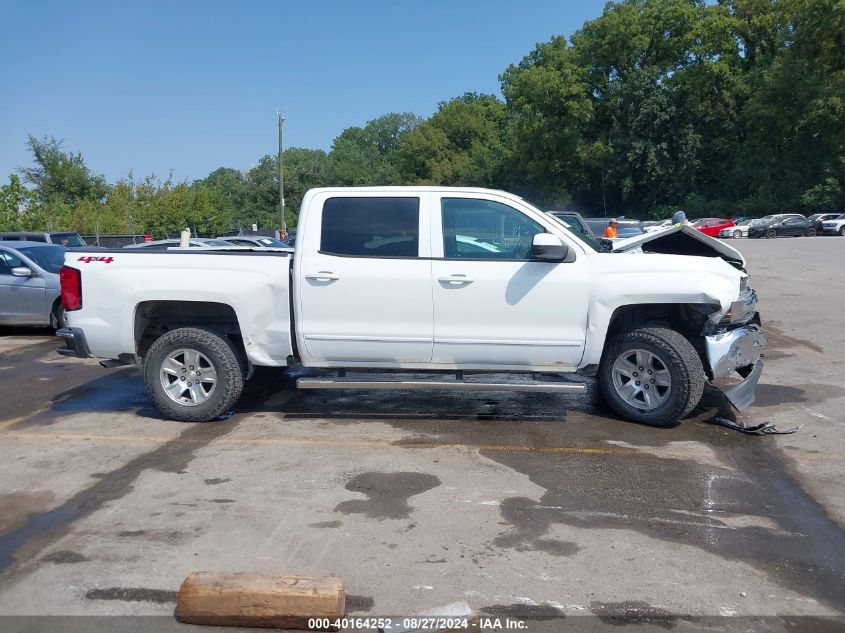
(387, 494)
(732, 498)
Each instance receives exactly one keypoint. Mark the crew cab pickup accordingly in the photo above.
(425, 285)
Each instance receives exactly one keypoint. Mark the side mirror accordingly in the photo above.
(549, 248)
(21, 271)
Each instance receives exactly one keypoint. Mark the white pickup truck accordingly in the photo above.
(426, 285)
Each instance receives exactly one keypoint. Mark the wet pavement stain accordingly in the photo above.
(690, 501)
(778, 339)
(776, 395)
(520, 611)
(632, 612)
(214, 481)
(359, 603)
(16, 507)
(132, 533)
(81, 386)
(387, 494)
(326, 524)
(41, 528)
(65, 557)
(684, 502)
(133, 594)
(528, 526)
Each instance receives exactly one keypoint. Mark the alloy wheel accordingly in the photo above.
(641, 379)
(188, 377)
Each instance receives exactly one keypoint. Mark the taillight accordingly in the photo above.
(70, 280)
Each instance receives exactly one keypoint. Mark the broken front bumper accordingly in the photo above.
(737, 350)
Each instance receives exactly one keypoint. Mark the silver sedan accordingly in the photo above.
(29, 284)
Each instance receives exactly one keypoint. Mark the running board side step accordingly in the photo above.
(450, 385)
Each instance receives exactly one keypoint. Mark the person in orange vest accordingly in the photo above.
(611, 231)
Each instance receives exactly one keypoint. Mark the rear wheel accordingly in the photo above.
(57, 316)
(651, 375)
(193, 374)
(737, 234)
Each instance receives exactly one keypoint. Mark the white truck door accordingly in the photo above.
(494, 306)
(364, 278)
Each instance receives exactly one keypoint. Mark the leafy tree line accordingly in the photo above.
(730, 108)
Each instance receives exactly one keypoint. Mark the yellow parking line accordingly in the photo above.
(259, 441)
(278, 441)
(9, 423)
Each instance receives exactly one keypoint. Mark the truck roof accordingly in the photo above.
(413, 189)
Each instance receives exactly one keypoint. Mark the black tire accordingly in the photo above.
(737, 234)
(58, 317)
(842, 231)
(811, 232)
(223, 356)
(680, 359)
(771, 233)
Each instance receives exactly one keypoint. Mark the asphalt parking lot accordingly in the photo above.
(535, 506)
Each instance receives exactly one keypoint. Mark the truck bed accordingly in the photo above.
(125, 290)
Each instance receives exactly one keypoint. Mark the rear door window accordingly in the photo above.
(371, 227)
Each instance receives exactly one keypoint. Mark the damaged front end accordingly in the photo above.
(734, 343)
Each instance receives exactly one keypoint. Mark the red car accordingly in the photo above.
(712, 226)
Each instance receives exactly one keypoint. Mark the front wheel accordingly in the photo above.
(771, 233)
(193, 374)
(811, 232)
(651, 375)
(842, 231)
(737, 234)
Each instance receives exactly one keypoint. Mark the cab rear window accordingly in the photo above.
(371, 227)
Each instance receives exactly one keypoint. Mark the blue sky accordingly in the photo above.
(190, 86)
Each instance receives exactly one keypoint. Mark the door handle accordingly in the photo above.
(323, 275)
(455, 279)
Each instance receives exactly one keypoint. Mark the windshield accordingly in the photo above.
(51, 258)
(67, 239)
(578, 234)
(216, 242)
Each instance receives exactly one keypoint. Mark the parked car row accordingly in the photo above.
(30, 263)
(788, 225)
(29, 283)
(252, 241)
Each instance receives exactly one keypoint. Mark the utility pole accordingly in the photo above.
(284, 228)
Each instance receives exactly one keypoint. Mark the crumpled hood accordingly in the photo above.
(680, 240)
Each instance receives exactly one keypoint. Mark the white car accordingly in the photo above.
(834, 227)
(432, 280)
(740, 230)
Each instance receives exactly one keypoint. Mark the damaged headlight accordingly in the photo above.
(743, 284)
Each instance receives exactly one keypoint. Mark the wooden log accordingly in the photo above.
(243, 599)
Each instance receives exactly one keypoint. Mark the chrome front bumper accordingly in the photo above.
(737, 350)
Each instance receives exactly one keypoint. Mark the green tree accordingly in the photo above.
(463, 143)
(60, 176)
(304, 170)
(368, 155)
(14, 198)
(548, 97)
